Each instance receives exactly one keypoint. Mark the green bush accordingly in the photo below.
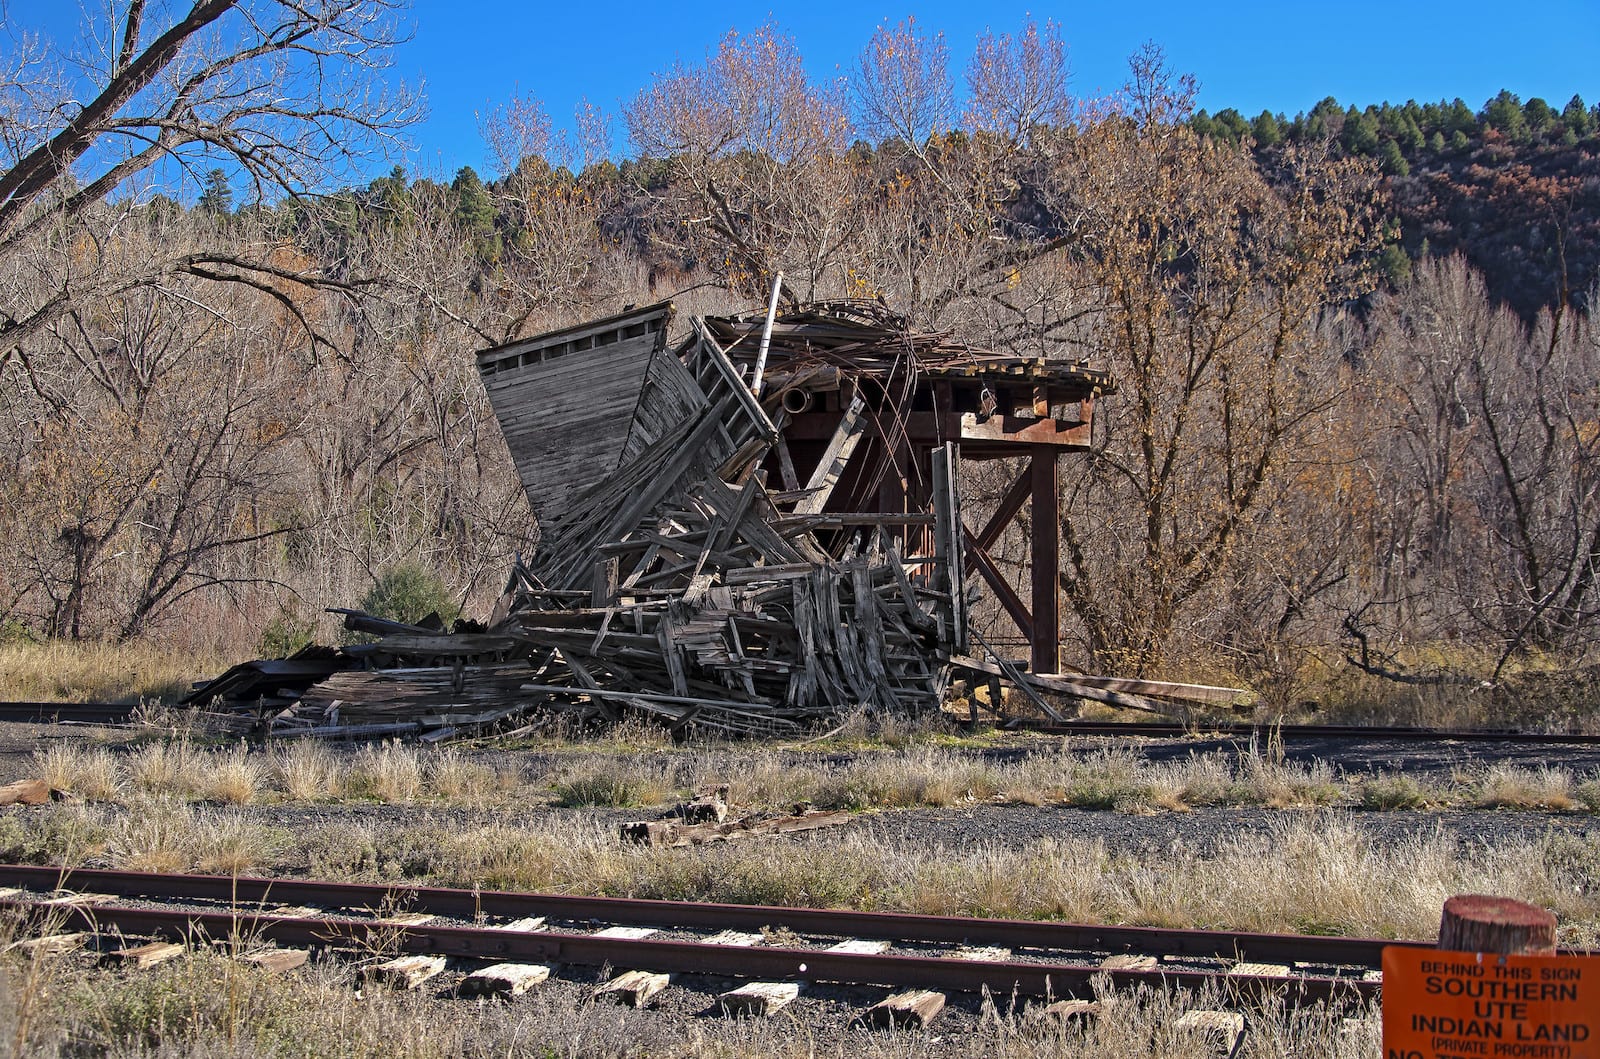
(409, 592)
(284, 635)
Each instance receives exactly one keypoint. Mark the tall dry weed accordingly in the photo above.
(234, 776)
(389, 773)
(166, 766)
(90, 772)
(307, 770)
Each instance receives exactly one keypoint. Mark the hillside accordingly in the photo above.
(1513, 187)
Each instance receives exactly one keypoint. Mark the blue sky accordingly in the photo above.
(471, 55)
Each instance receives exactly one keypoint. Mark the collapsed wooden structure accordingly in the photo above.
(749, 529)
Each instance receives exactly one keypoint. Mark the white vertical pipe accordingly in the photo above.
(766, 335)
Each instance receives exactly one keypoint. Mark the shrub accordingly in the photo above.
(285, 634)
(409, 592)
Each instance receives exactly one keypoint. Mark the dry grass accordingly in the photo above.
(95, 672)
(167, 766)
(234, 776)
(1316, 872)
(306, 770)
(1521, 788)
(457, 778)
(390, 773)
(614, 782)
(157, 835)
(1391, 791)
(921, 775)
(90, 772)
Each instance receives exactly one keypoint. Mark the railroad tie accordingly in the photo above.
(277, 961)
(980, 953)
(1258, 970)
(296, 912)
(406, 972)
(633, 988)
(758, 998)
(861, 947)
(406, 919)
(147, 955)
(504, 979)
(1079, 1012)
(73, 899)
(49, 945)
(527, 925)
(1129, 962)
(914, 1008)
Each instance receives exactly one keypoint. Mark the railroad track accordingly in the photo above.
(67, 712)
(122, 713)
(1174, 730)
(759, 943)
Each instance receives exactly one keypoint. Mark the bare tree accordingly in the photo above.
(1490, 458)
(146, 446)
(756, 151)
(282, 94)
(1211, 281)
(1019, 84)
(902, 87)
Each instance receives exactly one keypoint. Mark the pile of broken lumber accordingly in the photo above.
(670, 581)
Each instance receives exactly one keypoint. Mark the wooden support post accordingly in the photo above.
(1501, 925)
(1046, 561)
(949, 535)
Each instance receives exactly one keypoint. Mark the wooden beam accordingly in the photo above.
(1046, 556)
(1002, 589)
(835, 459)
(1010, 503)
(949, 534)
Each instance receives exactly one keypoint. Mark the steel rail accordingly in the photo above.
(57, 712)
(1310, 731)
(116, 713)
(892, 926)
(755, 962)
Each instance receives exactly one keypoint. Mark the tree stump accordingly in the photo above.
(1501, 925)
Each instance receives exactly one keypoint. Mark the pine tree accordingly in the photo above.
(1267, 129)
(217, 197)
(1575, 115)
(1360, 133)
(1504, 112)
(1394, 163)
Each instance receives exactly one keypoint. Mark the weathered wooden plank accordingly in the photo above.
(25, 792)
(147, 955)
(1217, 1031)
(504, 979)
(277, 961)
(406, 972)
(634, 988)
(758, 998)
(835, 458)
(49, 944)
(914, 1008)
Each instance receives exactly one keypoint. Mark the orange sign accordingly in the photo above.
(1462, 1005)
